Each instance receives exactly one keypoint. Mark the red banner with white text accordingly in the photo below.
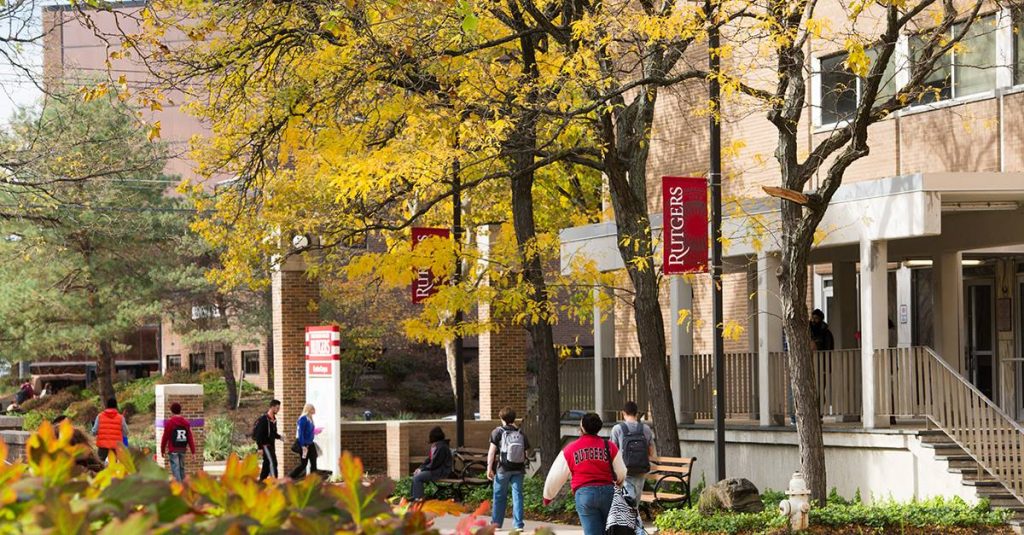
(684, 224)
(425, 284)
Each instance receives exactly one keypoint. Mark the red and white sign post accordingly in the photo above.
(684, 225)
(323, 390)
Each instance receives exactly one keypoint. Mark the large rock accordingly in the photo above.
(737, 494)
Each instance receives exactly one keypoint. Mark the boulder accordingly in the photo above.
(736, 494)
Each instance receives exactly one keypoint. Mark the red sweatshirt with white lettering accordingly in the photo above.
(586, 461)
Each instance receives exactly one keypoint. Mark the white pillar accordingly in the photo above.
(681, 298)
(948, 308)
(769, 328)
(904, 307)
(843, 322)
(604, 344)
(874, 332)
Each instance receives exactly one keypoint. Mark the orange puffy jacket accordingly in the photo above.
(108, 433)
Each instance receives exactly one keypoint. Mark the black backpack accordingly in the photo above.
(634, 450)
(179, 437)
(256, 428)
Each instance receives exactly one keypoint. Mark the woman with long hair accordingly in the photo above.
(304, 433)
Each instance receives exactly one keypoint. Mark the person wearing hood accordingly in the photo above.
(110, 430)
(437, 466)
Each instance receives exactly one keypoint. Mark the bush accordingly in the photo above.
(82, 412)
(435, 397)
(218, 445)
(934, 514)
(134, 495)
(140, 394)
(31, 420)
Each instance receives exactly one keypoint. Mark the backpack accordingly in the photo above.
(634, 450)
(513, 450)
(256, 428)
(179, 437)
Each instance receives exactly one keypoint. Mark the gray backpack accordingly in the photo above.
(513, 450)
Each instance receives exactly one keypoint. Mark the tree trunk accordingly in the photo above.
(229, 377)
(793, 287)
(625, 138)
(467, 399)
(105, 371)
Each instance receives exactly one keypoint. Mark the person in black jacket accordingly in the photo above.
(264, 432)
(437, 466)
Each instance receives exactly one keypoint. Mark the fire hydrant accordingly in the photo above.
(798, 504)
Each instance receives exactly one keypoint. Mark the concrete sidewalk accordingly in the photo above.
(446, 525)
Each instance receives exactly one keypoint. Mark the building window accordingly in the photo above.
(969, 68)
(251, 362)
(196, 362)
(218, 359)
(173, 362)
(841, 90)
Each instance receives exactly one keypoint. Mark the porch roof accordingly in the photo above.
(977, 211)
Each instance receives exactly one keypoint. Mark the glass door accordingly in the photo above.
(980, 327)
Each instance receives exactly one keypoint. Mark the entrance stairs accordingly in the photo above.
(972, 475)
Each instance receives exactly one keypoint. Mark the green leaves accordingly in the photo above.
(133, 496)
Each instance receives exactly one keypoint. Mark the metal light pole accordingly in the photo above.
(460, 391)
(715, 183)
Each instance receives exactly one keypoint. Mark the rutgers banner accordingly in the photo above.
(685, 224)
(425, 284)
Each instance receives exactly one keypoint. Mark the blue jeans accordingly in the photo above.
(502, 482)
(177, 460)
(592, 506)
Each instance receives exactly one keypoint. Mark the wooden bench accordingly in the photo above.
(668, 471)
(469, 469)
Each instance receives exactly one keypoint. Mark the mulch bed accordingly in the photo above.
(865, 530)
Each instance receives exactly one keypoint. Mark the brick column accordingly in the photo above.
(503, 353)
(294, 298)
(191, 399)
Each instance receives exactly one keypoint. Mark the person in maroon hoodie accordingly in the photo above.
(596, 466)
(176, 439)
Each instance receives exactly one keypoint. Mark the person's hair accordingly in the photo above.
(274, 403)
(591, 423)
(630, 408)
(111, 403)
(436, 435)
(306, 410)
(175, 408)
(818, 312)
(507, 415)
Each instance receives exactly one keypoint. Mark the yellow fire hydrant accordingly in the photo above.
(798, 503)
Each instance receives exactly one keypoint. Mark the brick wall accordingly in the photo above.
(191, 399)
(172, 343)
(407, 440)
(368, 441)
(295, 298)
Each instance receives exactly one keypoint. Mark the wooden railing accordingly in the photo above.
(740, 380)
(623, 381)
(837, 378)
(576, 384)
(917, 382)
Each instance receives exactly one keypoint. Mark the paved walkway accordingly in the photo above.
(446, 525)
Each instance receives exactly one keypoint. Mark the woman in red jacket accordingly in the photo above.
(110, 429)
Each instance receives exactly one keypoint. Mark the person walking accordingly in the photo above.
(176, 440)
(636, 442)
(264, 433)
(304, 435)
(437, 466)
(110, 430)
(596, 467)
(506, 467)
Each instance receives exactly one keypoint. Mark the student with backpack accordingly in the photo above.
(596, 467)
(636, 441)
(176, 439)
(506, 467)
(264, 433)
